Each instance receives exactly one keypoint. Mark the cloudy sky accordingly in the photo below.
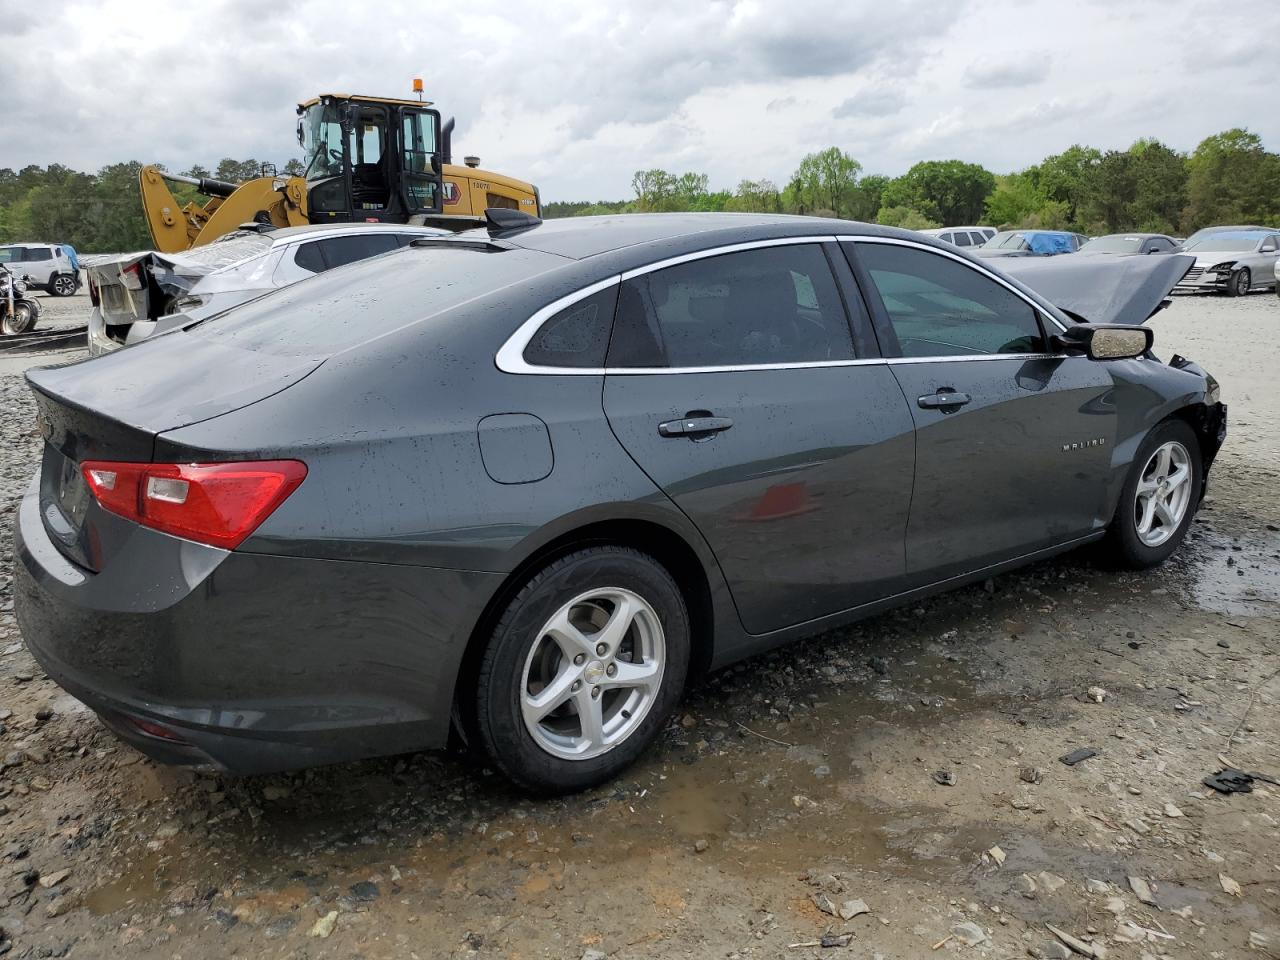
(575, 96)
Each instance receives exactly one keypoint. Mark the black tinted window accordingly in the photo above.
(941, 308)
(339, 251)
(39, 253)
(308, 257)
(577, 336)
(765, 306)
(961, 239)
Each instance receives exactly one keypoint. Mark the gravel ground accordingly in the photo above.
(788, 788)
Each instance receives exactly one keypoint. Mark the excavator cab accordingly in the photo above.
(370, 159)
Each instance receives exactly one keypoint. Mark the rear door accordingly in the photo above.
(1013, 441)
(734, 383)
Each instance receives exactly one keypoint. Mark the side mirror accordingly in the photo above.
(437, 167)
(1108, 341)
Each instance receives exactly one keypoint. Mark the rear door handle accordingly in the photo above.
(944, 398)
(695, 428)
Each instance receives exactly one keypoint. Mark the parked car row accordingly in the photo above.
(1235, 260)
(529, 480)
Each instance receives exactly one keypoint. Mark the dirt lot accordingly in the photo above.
(795, 782)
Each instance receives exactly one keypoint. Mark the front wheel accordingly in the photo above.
(1159, 497)
(584, 666)
(1240, 283)
(62, 285)
(21, 320)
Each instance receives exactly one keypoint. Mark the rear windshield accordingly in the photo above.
(222, 253)
(341, 308)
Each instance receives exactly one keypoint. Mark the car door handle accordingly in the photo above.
(944, 398)
(695, 428)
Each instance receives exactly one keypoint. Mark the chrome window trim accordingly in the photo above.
(894, 241)
(510, 356)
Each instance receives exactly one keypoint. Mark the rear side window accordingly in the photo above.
(308, 257)
(773, 305)
(10, 254)
(939, 307)
(339, 251)
(577, 336)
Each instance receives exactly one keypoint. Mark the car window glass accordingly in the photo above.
(307, 256)
(765, 306)
(939, 307)
(977, 238)
(961, 238)
(1269, 245)
(577, 336)
(39, 253)
(339, 251)
(10, 254)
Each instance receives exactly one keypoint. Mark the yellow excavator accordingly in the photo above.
(366, 159)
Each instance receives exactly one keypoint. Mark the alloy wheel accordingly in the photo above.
(64, 286)
(593, 673)
(1164, 493)
(19, 321)
(1242, 281)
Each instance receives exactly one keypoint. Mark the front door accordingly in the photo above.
(1013, 442)
(732, 382)
(419, 186)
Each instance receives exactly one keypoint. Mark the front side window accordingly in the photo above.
(1269, 245)
(960, 238)
(772, 305)
(39, 253)
(939, 307)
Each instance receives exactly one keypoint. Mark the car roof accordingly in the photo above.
(287, 234)
(1133, 233)
(578, 238)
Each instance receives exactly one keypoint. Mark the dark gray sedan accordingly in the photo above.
(537, 478)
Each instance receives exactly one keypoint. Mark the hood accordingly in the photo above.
(1127, 290)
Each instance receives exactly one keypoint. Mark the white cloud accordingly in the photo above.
(578, 95)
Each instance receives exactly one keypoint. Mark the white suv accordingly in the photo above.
(47, 264)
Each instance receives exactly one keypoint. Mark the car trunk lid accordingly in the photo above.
(114, 407)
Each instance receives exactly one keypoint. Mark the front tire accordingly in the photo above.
(1241, 283)
(63, 285)
(21, 320)
(1160, 497)
(582, 669)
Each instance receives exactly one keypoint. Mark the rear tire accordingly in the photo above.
(1241, 282)
(1156, 508)
(63, 285)
(581, 671)
(21, 320)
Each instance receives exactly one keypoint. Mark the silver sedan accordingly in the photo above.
(1232, 261)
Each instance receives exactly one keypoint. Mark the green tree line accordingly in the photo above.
(1228, 178)
(96, 212)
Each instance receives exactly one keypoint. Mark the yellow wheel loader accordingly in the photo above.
(367, 159)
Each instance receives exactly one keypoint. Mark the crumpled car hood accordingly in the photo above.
(1126, 290)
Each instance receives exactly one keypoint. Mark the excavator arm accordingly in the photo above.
(278, 200)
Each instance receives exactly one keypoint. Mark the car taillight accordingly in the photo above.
(215, 503)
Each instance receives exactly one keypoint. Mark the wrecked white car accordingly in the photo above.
(138, 295)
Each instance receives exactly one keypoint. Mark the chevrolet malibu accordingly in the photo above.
(527, 482)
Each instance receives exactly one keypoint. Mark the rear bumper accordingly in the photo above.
(255, 663)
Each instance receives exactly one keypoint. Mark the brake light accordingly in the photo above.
(215, 503)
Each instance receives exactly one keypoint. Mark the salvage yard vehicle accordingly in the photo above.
(1233, 262)
(366, 159)
(1030, 243)
(537, 477)
(138, 295)
(1122, 244)
(47, 266)
(962, 236)
(18, 312)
